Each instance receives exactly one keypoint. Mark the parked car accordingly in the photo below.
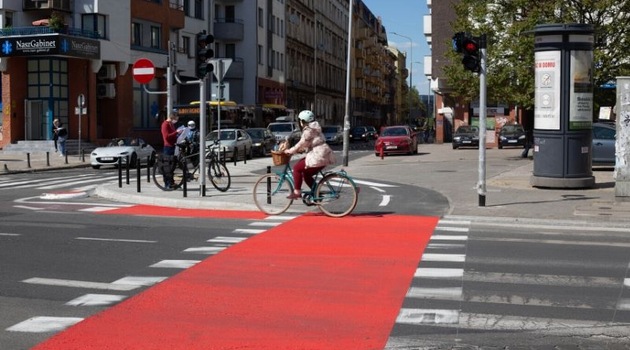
(603, 145)
(512, 135)
(359, 133)
(285, 131)
(372, 132)
(333, 134)
(396, 139)
(262, 139)
(230, 140)
(136, 148)
(466, 136)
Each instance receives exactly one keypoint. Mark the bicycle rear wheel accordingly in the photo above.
(160, 181)
(219, 175)
(270, 194)
(336, 195)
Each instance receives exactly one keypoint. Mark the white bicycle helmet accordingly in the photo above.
(306, 116)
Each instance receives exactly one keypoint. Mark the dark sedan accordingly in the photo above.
(466, 136)
(512, 135)
(263, 140)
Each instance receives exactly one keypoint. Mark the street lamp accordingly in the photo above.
(410, 68)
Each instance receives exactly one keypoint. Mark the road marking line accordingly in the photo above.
(427, 316)
(626, 282)
(444, 257)
(96, 300)
(96, 209)
(449, 238)
(10, 234)
(453, 222)
(223, 239)
(248, 231)
(438, 272)
(542, 280)
(139, 281)
(115, 240)
(175, 264)
(44, 324)
(385, 201)
(204, 250)
(27, 207)
(445, 246)
(280, 217)
(435, 293)
(623, 304)
(266, 224)
(373, 184)
(452, 229)
(378, 189)
(79, 284)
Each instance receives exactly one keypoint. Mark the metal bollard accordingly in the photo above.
(28, 160)
(138, 174)
(83, 155)
(66, 157)
(127, 170)
(119, 172)
(235, 155)
(185, 184)
(268, 185)
(47, 158)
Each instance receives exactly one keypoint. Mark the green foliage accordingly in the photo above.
(510, 46)
(56, 21)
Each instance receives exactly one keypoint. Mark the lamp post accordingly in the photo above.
(410, 68)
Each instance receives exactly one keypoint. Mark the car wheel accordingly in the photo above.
(454, 146)
(96, 166)
(500, 146)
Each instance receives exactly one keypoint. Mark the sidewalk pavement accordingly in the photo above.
(437, 167)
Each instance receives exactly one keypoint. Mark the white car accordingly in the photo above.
(231, 139)
(136, 148)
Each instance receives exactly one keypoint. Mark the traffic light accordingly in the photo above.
(472, 58)
(468, 46)
(204, 53)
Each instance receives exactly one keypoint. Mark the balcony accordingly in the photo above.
(57, 5)
(228, 29)
(39, 30)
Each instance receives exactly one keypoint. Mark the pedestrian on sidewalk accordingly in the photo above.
(60, 136)
(169, 137)
(529, 141)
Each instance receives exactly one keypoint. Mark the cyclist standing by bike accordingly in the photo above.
(318, 155)
(169, 136)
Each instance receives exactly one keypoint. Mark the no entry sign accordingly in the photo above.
(143, 71)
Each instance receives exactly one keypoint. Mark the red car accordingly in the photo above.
(396, 139)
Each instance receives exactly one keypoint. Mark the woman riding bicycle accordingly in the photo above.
(318, 153)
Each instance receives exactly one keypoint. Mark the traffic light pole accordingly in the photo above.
(481, 186)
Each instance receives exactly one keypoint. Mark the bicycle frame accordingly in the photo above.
(287, 175)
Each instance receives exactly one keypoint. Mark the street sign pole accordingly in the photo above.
(81, 103)
(481, 186)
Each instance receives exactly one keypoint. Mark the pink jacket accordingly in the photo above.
(313, 141)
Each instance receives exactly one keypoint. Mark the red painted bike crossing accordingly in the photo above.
(311, 283)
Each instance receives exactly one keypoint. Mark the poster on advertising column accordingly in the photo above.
(547, 98)
(581, 92)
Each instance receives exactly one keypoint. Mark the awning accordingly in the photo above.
(216, 103)
(274, 106)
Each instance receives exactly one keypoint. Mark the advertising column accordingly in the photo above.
(563, 111)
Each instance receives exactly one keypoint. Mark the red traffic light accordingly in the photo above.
(471, 46)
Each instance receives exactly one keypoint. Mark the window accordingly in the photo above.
(260, 54)
(8, 19)
(230, 51)
(186, 46)
(261, 18)
(136, 34)
(155, 37)
(94, 23)
(230, 14)
(199, 9)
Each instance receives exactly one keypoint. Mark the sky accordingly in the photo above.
(406, 17)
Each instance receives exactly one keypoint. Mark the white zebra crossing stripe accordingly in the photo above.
(204, 250)
(449, 238)
(443, 257)
(44, 324)
(248, 231)
(451, 229)
(437, 272)
(427, 316)
(442, 293)
(175, 264)
(96, 300)
(222, 239)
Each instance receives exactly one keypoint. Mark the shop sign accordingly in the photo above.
(45, 45)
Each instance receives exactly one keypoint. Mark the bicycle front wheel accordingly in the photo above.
(219, 175)
(336, 195)
(270, 194)
(161, 179)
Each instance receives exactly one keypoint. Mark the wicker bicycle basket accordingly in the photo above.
(279, 158)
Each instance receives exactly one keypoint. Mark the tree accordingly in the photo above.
(510, 50)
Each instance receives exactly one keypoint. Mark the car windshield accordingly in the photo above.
(122, 142)
(467, 129)
(512, 128)
(329, 129)
(280, 128)
(394, 132)
(225, 135)
(257, 134)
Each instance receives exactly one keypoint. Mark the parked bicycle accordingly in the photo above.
(333, 192)
(186, 167)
